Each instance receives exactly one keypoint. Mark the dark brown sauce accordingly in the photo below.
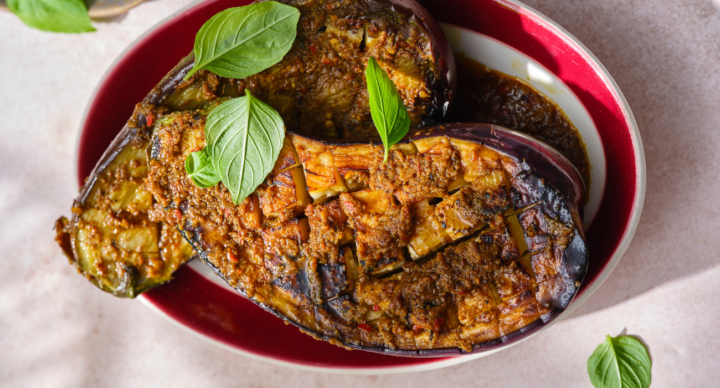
(489, 96)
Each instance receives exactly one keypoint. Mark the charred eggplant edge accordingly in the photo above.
(442, 52)
(123, 138)
(541, 157)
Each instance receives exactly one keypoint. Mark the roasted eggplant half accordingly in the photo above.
(114, 238)
(468, 234)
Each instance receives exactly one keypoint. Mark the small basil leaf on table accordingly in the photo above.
(53, 15)
(244, 137)
(242, 41)
(200, 169)
(620, 362)
(386, 106)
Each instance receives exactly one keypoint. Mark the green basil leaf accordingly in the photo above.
(245, 136)
(621, 362)
(386, 106)
(200, 169)
(242, 41)
(53, 15)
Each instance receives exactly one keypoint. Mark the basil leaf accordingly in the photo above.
(245, 136)
(386, 107)
(53, 15)
(242, 41)
(200, 169)
(621, 362)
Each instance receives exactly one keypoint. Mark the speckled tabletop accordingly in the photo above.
(57, 330)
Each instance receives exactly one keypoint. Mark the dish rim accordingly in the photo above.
(627, 236)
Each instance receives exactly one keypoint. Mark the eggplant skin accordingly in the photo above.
(365, 269)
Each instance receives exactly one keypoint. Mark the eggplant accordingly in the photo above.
(469, 234)
(115, 238)
(110, 238)
(319, 87)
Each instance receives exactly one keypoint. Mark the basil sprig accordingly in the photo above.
(386, 106)
(53, 15)
(620, 362)
(200, 169)
(244, 137)
(242, 41)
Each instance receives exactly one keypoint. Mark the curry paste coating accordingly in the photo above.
(341, 268)
(111, 240)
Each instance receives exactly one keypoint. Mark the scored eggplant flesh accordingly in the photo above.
(482, 245)
(113, 238)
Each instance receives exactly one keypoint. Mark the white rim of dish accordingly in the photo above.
(614, 260)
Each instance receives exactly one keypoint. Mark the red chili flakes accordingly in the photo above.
(365, 327)
(232, 257)
(149, 119)
(178, 214)
(313, 48)
(439, 323)
(326, 60)
(226, 211)
(376, 307)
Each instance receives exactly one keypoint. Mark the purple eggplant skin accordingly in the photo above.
(133, 128)
(545, 160)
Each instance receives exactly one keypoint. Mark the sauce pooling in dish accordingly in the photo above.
(489, 96)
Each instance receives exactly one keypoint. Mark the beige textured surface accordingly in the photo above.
(57, 330)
